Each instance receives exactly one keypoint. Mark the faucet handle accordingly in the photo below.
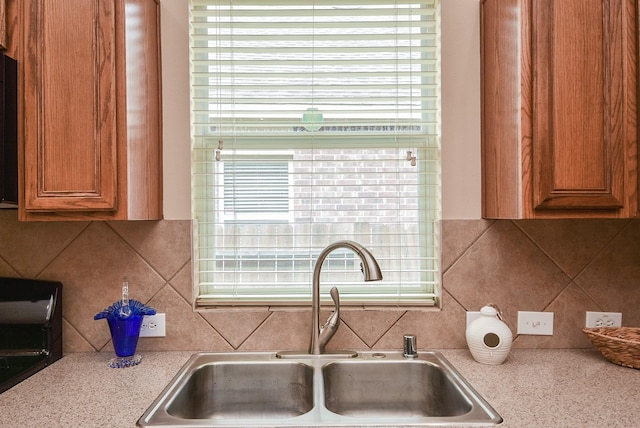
(334, 319)
(331, 326)
(335, 296)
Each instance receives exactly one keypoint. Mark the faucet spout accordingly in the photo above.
(320, 336)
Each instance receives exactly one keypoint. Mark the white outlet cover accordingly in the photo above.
(472, 316)
(154, 326)
(535, 323)
(603, 319)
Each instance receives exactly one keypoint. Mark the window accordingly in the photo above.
(255, 188)
(315, 121)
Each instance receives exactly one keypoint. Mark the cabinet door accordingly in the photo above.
(69, 105)
(581, 124)
(3, 25)
(559, 108)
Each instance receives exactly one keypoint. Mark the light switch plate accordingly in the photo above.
(536, 323)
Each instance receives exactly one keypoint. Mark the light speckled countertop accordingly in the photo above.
(533, 388)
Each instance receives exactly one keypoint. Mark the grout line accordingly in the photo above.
(600, 251)
(388, 329)
(471, 244)
(252, 332)
(136, 252)
(62, 250)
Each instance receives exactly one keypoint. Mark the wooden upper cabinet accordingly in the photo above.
(559, 119)
(91, 122)
(3, 25)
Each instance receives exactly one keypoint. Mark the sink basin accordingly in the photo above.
(392, 389)
(258, 389)
(232, 390)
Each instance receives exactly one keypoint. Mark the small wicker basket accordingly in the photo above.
(620, 345)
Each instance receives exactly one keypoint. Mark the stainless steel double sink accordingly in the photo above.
(258, 389)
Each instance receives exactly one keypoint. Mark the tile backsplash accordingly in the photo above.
(563, 266)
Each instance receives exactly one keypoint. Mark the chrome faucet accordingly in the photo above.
(320, 336)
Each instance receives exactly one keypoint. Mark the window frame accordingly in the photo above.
(254, 142)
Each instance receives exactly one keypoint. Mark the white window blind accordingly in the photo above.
(256, 188)
(335, 104)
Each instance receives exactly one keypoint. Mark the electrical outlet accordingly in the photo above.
(154, 326)
(536, 323)
(603, 319)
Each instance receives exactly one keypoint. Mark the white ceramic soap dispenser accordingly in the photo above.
(488, 337)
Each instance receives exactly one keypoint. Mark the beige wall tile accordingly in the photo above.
(570, 243)
(458, 236)
(505, 267)
(519, 265)
(91, 269)
(281, 331)
(73, 341)
(165, 245)
(30, 247)
(568, 320)
(612, 279)
(371, 325)
(433, 328)
(186, 330)
(6, 270)
(235, 325)
(182, 282)
(344, 339)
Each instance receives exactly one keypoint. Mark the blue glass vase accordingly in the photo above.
(125, 333)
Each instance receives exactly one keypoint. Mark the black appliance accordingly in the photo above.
(8, 132)
(30, 328)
